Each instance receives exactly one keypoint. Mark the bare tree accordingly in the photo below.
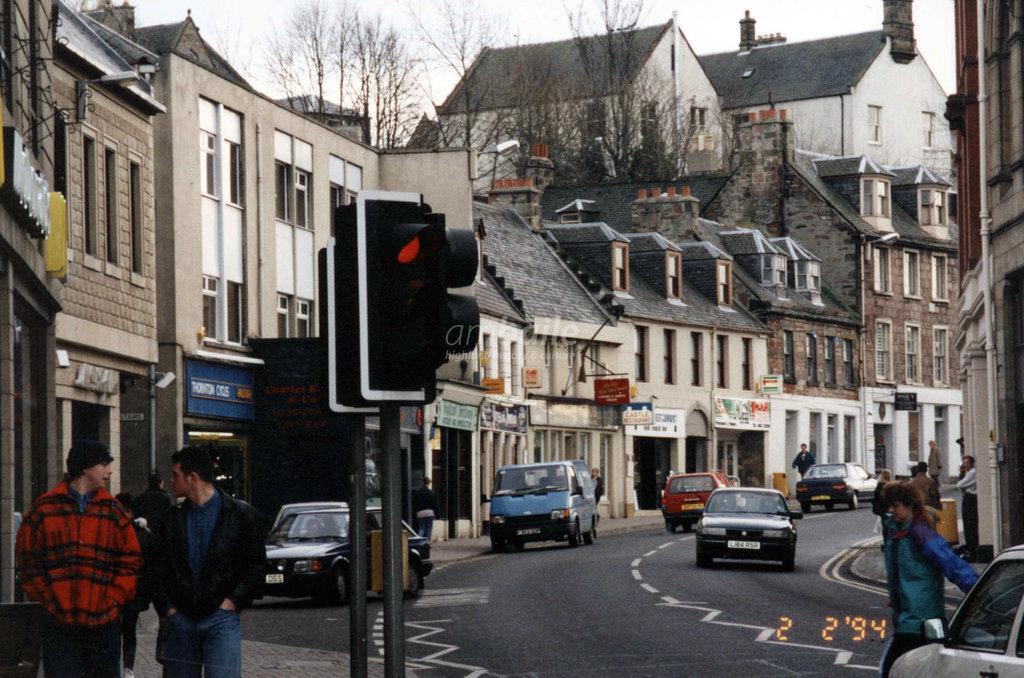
(458, 34)
(236, 46)
(301, 56)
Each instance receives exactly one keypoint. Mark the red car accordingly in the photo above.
(685, 496)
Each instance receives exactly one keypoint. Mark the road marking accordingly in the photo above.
(453, 597)
(650, 588)
(650, 553)
(636, 563)
(636, 575)
(430, 628)
(666, 544)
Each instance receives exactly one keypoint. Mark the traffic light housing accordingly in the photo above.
(390, 319)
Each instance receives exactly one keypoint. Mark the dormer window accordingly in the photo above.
(569, 218)
(673, 275)
(874, 198)
(773, 270)
(932, 207)
(724, 286)
(808, 276)
(620, 267)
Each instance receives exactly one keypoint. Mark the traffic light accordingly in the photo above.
(409, 322)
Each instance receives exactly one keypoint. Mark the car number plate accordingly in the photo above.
(751, 545)
(275, 578)
(820, 497)
(687, 507)
(528, 530)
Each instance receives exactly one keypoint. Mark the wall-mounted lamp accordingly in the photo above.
(62, 358)
(885, 239)
(83, 93)
(165, 380)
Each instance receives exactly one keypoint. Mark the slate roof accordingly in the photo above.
(848, 166)
(77, 35)
(643, 300)
(740, 241)
(793, 70)
(613, 200)
(494, 301)
(648, 242)
(130, 51)
(917, 175)
(803, 164)
(696, 250)
(794, 250)
(565, 59)
(533, 272)
(164, 39)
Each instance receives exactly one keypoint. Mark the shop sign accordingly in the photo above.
(25, 190)
(531, 377)
(637, 414)
(667, 424)
(771, 384)
(741, 413)
(133, 416)
(494, 386)
(508, 418)
(219, 390)
(457, 415)
(905, 402)
(611, 391)
(96, 379)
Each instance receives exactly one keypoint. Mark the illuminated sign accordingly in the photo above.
(219, 390)
(25, 191)
(859, 629)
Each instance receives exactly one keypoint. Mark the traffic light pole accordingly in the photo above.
(357, 627)
(394, 626)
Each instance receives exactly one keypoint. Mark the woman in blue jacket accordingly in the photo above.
(916, 559)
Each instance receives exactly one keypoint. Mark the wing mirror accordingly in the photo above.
(796, 515)
(935, 630)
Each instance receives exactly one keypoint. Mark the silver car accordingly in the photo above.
(985, 637)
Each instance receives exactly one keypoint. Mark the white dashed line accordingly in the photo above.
(666, 544)
(636, 563)
(649, 588)
(650, 553)
(636, 575)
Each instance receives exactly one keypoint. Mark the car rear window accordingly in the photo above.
(826, 471)
(691, 484)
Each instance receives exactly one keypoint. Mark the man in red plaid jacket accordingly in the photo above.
(78, 556)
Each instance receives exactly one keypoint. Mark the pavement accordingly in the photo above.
(260, 660)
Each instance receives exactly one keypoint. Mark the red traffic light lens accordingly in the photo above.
(408, 254)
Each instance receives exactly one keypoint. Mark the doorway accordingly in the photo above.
(650, 470)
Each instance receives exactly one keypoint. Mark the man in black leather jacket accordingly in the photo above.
(211, 565)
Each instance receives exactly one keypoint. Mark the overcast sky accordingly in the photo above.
(710, 26)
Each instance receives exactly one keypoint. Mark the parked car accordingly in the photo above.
(543, 502)
(685, 495)
(308, 554)
(748, 523)
(985, 636)
(831, 484)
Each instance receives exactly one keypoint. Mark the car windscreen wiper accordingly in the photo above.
(547, 488)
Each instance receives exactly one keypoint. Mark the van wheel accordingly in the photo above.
(591, 534)
(574, 535)
(497, 545)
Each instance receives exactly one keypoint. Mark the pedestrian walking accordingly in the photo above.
(969, 508)
(210, 566)
(803, 460)
(77, 555)
(935, 461)
(595, 475)
(153, 504)
(916, 560)
(143, 588)
(927, 486)
(878, 506)
(424, 507)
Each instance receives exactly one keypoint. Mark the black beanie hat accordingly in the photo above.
(86, 454)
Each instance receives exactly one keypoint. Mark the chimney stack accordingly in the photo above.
(120, 19)
(747, 37)
(898, 26)
(674, 213)
(539, 167)
(519, 195)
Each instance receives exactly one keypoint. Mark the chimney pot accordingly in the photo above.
(751, 117)
(539, 150)
(641, 194)
(684, 191)
(782, 113)
(671, 191)
(655, 192)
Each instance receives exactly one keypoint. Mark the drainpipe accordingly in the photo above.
(675, 83)
(866, 448)
(259, 230)
(986, 278)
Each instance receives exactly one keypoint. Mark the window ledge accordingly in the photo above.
(113, 270)
(139, 280)
(915, 297)
(92, 262)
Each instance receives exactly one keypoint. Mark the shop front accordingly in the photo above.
(218, 416)
(741, 431)
(452, 463)
(659, 441)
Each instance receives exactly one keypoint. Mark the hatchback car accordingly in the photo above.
(685, 495)
(985, 636)
(831, 484)
(747, 523)
(308, 554)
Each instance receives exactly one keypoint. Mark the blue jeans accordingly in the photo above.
(212, 643)
(426, 527)
(70, 652)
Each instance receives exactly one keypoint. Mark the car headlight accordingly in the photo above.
(560, 514)
(720, 531)
(775, 533)
(307, 566)
(498, 520)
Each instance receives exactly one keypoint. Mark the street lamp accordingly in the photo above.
(503, 148)
(83, 93)
(885, 239)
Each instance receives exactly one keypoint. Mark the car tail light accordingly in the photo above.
(801, 488)
(839, 487)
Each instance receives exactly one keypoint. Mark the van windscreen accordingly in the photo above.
(530, 478)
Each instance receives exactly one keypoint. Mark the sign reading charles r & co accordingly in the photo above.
(25, 192)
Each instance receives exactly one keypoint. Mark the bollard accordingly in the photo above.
(945, 521)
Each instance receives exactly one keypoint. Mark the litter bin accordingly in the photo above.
(779, 483)
(946, 524)
(21, 636)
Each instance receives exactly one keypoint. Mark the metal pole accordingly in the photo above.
(357, 576)
(394, 626)
(152, 417)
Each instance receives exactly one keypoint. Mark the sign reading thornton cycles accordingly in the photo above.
(219, 390)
